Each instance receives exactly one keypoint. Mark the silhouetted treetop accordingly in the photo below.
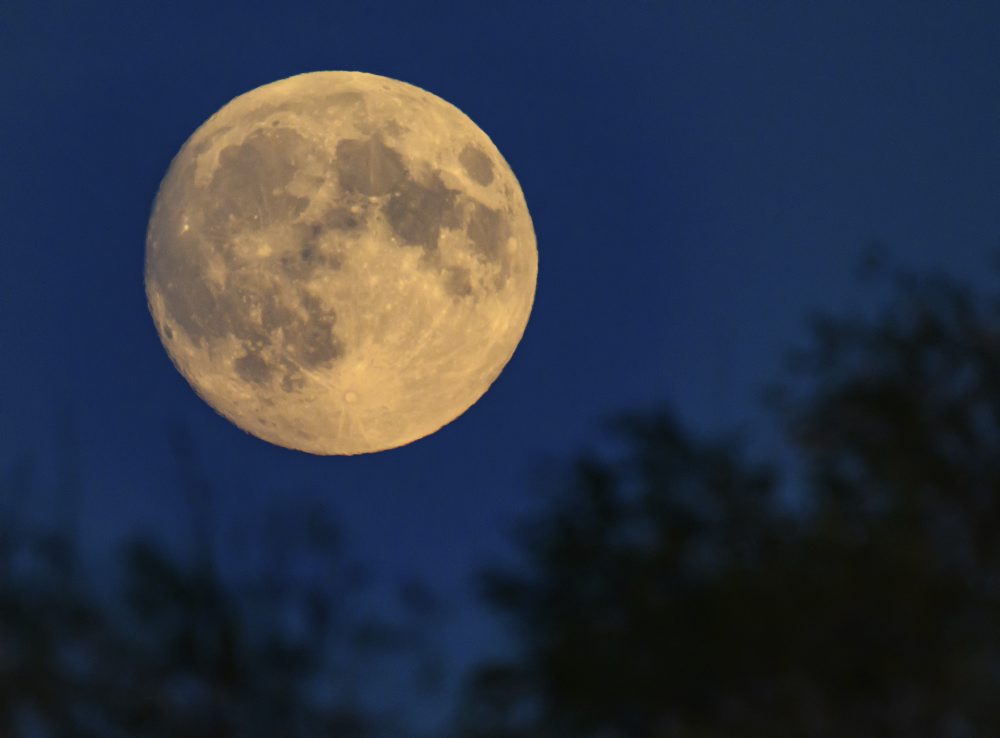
(671, 590)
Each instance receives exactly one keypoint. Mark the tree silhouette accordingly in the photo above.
(186, 649)
(675, 589)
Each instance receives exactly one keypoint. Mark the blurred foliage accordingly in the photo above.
(673, 588)
(668, 587)
(181, 648)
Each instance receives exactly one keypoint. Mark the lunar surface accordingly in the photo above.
(340, 263)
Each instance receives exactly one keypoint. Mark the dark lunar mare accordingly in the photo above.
(417, 209)
(247, 192)
(476, 164)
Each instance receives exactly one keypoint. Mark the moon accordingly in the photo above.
(340, 263)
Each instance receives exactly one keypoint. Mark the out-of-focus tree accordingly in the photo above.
(187, 649)
(673, 588)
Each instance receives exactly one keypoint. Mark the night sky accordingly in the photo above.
(700, 176)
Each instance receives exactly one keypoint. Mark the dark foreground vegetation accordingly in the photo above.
(671, 587)
(674, 589)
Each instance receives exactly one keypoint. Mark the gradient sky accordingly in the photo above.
(700, 175)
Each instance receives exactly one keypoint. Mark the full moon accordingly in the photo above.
(340, 263)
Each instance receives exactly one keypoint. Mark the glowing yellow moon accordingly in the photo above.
(340, 262)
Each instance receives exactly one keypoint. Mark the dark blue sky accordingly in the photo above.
(700, 175)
